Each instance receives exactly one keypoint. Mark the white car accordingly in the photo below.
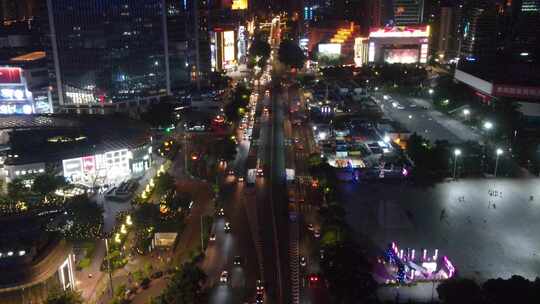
(224, 277)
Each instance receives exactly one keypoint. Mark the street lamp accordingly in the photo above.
(466, 112)
(430, 91)
(499, 152)
(457, 152)
(488, 125)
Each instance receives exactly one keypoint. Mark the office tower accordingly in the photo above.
(380, 12)
(106, 51)
(408, 12)
(447, 40)
(189, 55)
(479, 34)
(525, 38)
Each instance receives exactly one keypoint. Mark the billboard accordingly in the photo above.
(239, 4)
(330, 49)
(10, 75)
(228, 46)
(401, 56)
(400, 31)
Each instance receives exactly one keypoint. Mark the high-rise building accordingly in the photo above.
(447, 38)
(479, 34)
(380, 12)
(525, 38)
(104, 51)
(408, 12)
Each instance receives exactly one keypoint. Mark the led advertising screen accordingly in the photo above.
(330, 49)
(401, 55)
(10, 76)
(228, 46)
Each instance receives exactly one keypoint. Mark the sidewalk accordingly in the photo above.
(92, 286)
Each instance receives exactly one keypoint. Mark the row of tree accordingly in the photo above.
(495, 291)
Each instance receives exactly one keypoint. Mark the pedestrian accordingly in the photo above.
(531, 198)
(494, 206)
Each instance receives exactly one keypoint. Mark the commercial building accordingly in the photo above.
(398, 44)
(15, 98)
(106, 51)
(89, 150)
(33, 262)
(408, 12)
(224, 48)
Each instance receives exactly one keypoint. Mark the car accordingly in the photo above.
(241, 179)
(313, 279)
(157, 274)
(212, 237)
(259, 287)
(321, 254)
(317, 233)
(310, 227)
(230, 172)
(145, 283)
(303, 261)
(300, 147)
(259, 298)
(224, 277)
(221, 212)
(227, 227)
(237, 261)
(296, 140)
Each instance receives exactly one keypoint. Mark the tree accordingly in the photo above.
(291, 54)
(514, 290)
(47, 182)
(259, 51)
(459, 291)
(84, 219)
(185, 286)
(239, 100)
(64, 297)
(159, 115)
(348, 273)
(17, 190)
(226, 149)
(164, 183)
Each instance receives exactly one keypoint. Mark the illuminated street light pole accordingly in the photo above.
(109, 266)
(499, 152)
(457, 152)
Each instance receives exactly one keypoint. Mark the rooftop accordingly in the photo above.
(49, 138)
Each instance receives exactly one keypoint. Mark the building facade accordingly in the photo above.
(106, 51)
(408, 12)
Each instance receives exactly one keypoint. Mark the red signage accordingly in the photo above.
(516, 91)
(10, 76)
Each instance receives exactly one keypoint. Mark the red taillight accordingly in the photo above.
(314, 279)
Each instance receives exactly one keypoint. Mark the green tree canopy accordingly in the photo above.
(185, 286)
(64, 297)
(291, 54)
(47, 182)
(164, 183)
(159, 115)
(84, 219)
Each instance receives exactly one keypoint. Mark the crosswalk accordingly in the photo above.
(294, 256)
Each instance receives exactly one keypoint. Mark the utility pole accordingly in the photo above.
(109, 266)
(202, 240)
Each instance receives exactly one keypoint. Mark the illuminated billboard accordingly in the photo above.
(228, 46)
(330, 49)
(400, 31)
(9, 75)
(239, 4)
(97, 169)
(401, 56)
